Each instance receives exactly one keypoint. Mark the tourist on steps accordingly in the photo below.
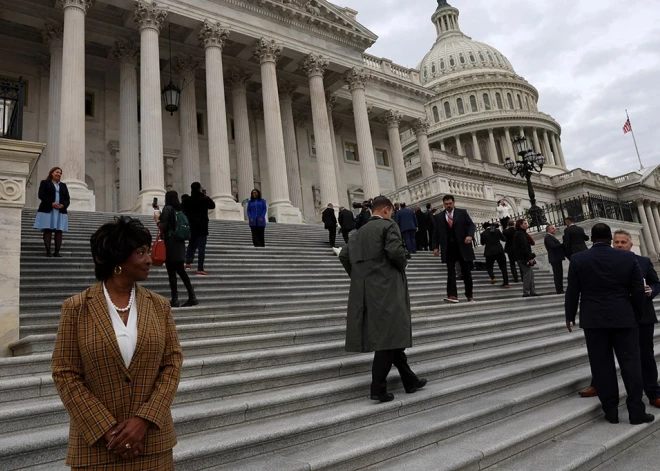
(491, 239)
(52, 215)
(257, 212)
(329, 220)
(175, 249)
(408, 226)
(526, 259)
(556, 257)
(379, 317)
(574, 238)
(608, 287)
(346, 222)
(196, 208)
(117, 360)
(509, 232)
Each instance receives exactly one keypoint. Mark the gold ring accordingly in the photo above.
(128, 447)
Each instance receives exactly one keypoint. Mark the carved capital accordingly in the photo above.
(52, 34)
(330, 100)
(654, 204)
(186, 66)
(392, 118)
(257, 110)
(300, 119)
(267, 50)
(43, 62)
(315, 65)
(356, 78)
(81, 4)
(421, 126)
(126, 51)
(640, 202)
(286, 88)
(149, 15)
(237, 79)
(213, 34)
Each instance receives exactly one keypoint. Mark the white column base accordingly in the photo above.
(82, 198)
(285, 213)
(144, 203)
(227, 209)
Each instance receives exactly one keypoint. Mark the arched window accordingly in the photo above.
(436, 114)
(498, 149)
(472, 58)
(469, 151)
(462, 58)
(509, 98)
(498, 99)
(499, 59)
(442, 64)
(447, 110)
(490, 58)
(526, 103)
(459, 105)
(483, 150)
(452, 62)
(473, 103)
(433, 68)
(481, 56)
(454, 150)
(486, 101)
(426, 72)
(519, 102)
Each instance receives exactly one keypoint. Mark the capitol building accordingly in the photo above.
(134, 98)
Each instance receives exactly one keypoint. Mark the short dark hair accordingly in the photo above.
(519, 223)
(50, 173)
(428, 205)
(381, 202)
(258, 194)
(448, 198)
(195, 187)
(569, 220)
(510, 223)
(114, 242)
(486, 225)
(601, 232)
(403, 205)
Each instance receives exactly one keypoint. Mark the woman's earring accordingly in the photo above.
(117, 270)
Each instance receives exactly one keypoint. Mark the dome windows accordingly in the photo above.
(426, 72)
(509, 99)
(447, 110)
(498, 100)
(461, 58)
(433, 68)
(472, 58)
(473, 103)
(519, 102)
(499, 59)
(526, 103)
(459, 105)
(442, 64)
(481, 56)
(486, 102)
(452, 62)
(490, 58)
(436, 114)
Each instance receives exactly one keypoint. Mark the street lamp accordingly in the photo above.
(171, 93)
(530, 162)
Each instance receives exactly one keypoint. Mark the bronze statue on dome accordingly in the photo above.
(443, 3)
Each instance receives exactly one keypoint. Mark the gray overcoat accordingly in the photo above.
(379, 303)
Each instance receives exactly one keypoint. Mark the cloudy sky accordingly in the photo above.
(589, 59)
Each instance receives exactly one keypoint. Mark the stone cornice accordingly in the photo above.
(394, 83)
(483, 82)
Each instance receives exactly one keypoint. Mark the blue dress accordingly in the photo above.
(54, 221)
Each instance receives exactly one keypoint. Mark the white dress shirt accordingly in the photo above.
(126, 334)
(503, 211)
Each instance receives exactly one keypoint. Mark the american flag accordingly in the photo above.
(627, 127)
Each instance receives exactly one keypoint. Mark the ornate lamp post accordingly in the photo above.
(171, 93)
(530, 162)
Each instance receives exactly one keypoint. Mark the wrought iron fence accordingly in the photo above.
(580, 208)
(12, 99)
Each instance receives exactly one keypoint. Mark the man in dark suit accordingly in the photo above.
(452, 238)
(574, 238)
(608, 287)
(330, 222)
(491, 239)
(364, 216)
(421, 237)
(623, 241)
(508, 233)
(408, 225)
(196, 207)
(346, 222)
(555, 257)
(429, 222)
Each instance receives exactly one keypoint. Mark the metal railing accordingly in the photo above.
(580, 208)
(12, 99)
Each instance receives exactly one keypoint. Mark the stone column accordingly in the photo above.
(393, 119)
(656, 215)
(212, 37)
(16, 159)
(561, 151)
(150, 19)
(52, 35)
(493, 148)
(331, 101)
(268, 53)
(509, 144)
(315, 66)
(548, 150)
(421, 128)
(286, 90)
(537, 143)
(186, 67)
(642, 244)
(475, 146)
(653, 227)
(72, 108)
(443, 148)
(237, 81)
(127, 53)
(459, 146)
(646, 228)
(555, 152)
(356, 81)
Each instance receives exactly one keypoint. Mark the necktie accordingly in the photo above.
(450, 219)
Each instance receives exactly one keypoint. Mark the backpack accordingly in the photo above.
(181, 230)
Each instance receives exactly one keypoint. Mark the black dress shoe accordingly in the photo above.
(613, 417)
(384, 397)
(645, 419)
(419, 385)
(175, 303)
(191, 302)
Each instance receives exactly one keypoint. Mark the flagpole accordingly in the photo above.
(641, 167)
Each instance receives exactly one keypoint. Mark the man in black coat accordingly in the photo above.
(574, 238)
(452, 238)
(196, 208)
(491, 239)
(555, 257)
(429, 222)
(346, 222)
(407, 222)
(607, 286)
(422, 235)
(364, 216)
(330, 222)
(509, 233)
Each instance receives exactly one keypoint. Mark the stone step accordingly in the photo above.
(641, 456)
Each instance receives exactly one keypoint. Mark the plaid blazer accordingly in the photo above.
(97, 388)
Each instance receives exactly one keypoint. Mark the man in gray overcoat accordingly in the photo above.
(378, 317)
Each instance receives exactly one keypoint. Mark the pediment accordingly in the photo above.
(651, 177)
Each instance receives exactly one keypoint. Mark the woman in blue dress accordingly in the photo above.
(52, 215)
(257, 210)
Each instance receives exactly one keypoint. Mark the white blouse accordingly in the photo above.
(503, 211)
(126, 334)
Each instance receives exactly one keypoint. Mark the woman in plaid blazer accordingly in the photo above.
(117, 360)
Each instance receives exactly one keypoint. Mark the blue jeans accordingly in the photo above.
(197, 242)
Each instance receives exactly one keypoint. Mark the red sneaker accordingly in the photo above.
(451, 299)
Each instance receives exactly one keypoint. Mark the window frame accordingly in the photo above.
(356, 152)
(386, 156)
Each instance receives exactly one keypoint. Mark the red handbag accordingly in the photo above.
(158, 251)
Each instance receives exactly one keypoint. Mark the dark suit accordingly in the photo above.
(196, 208)
(47, 196)
(646, 330)
(607, 285)
(574, 240)
(452, 246)
(408, 225)
(492, 239)
(421, 236)
(429, 226)
(508, 233)
(347, 223)
(330, 222)
(555, 258)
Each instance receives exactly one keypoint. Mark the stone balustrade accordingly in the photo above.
(437, 186)
(389, 68)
